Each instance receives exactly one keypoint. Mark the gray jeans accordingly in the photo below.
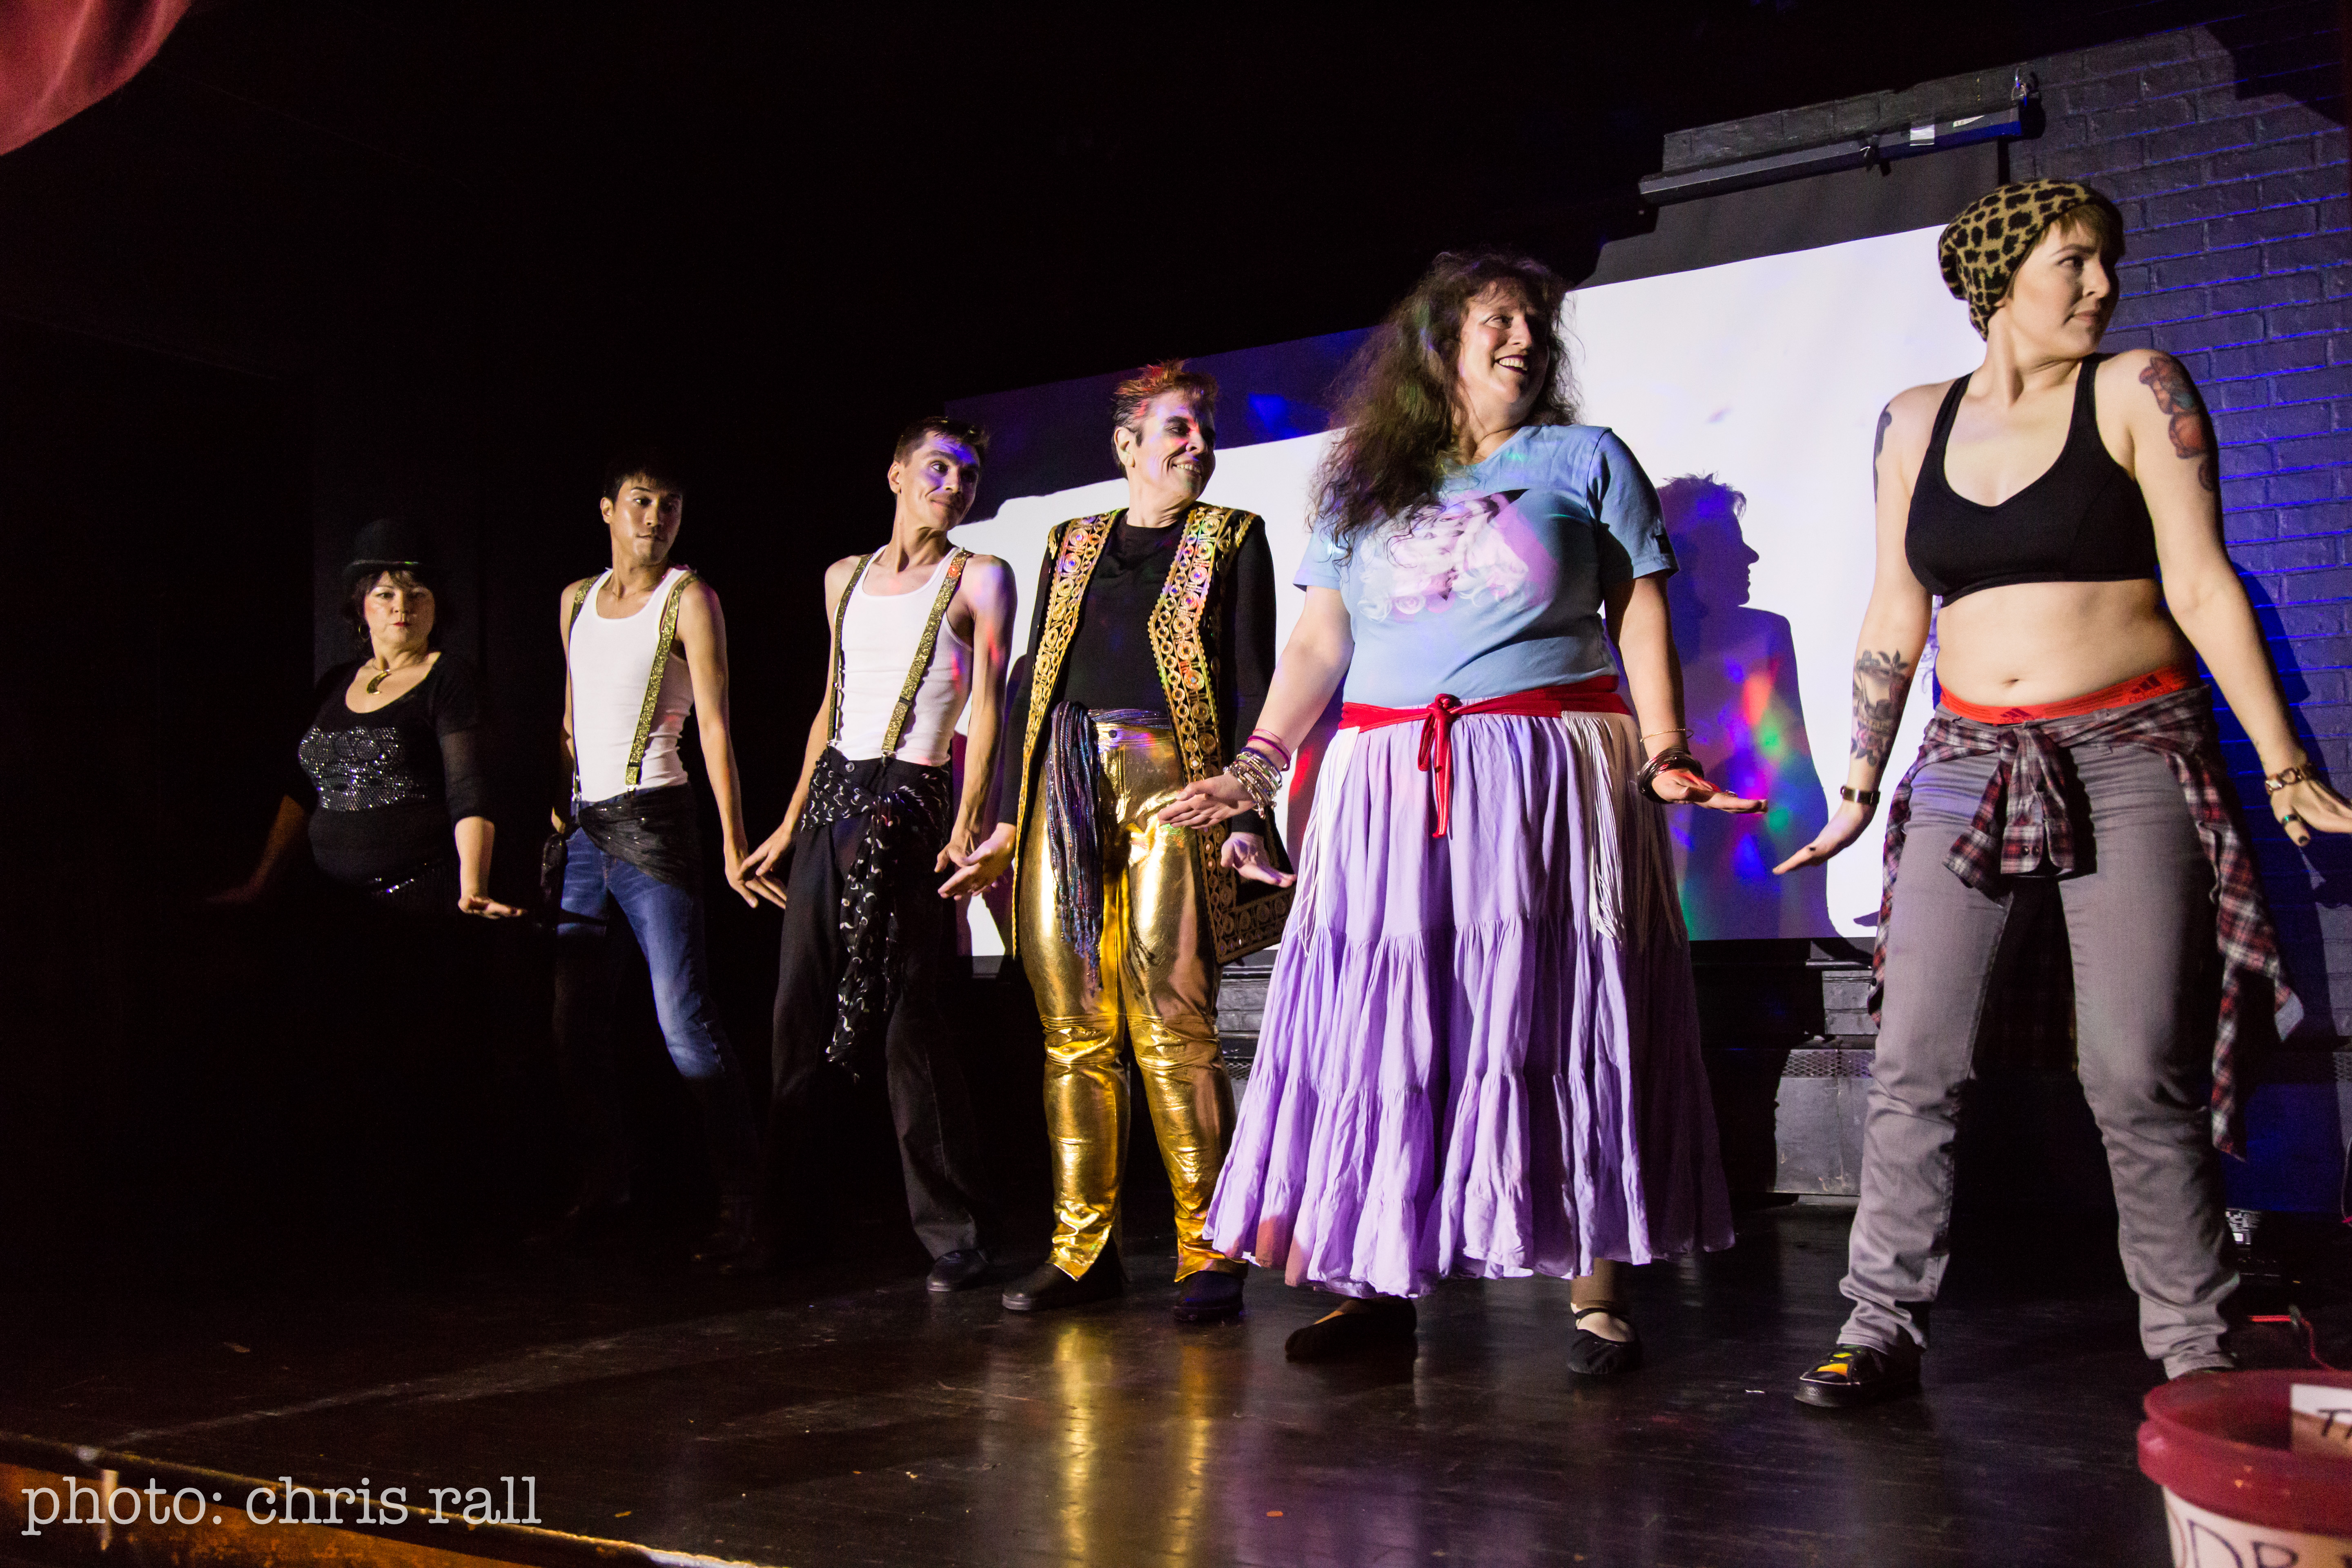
(2140, 920)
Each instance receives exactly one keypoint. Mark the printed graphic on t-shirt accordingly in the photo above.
(1461, 552)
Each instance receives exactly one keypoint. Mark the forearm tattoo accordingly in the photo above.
(1881, 682)
(1878, 447)
(2176, 394)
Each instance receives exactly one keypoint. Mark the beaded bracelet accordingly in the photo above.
(1256, 773)
(1286, 755)
(1674, 758)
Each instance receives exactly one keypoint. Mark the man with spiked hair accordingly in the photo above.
(919, 626)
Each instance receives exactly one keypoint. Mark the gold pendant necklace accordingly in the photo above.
(380, 676)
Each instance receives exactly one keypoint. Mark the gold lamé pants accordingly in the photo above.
(1155, 984)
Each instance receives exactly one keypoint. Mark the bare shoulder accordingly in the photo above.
(571, 591)
(698, 601)
(2169, 389)
(1909, 416)
(837, 582)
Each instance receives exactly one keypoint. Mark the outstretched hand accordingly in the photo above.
(760, 865)
(1207, 801)
(1686, 786)
(1245, 852)
(2308, 807)
(489, 907)
(979, 869)
(1844, 826)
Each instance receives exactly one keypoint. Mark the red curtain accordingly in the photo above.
(59, 56)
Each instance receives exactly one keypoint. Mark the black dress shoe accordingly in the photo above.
(1861, 1374)
(1048, 1287)
(1211, 1296)
(730, 1237)
(759, 1256)
(1598, 1355)
(958, 1270)
(587, 1220)
(1381, 1323)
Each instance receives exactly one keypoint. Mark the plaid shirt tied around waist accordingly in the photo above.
(2025, 823)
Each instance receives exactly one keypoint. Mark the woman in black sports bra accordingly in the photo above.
(2039, 498)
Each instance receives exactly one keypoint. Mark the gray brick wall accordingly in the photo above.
(2224, 145)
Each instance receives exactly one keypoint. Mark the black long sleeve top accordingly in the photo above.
(1109, 663)
(383, 788)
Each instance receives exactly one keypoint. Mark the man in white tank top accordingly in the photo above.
(644, 644)
(917, 627)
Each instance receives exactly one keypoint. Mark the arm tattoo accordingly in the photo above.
(2176, 396)
(1878, 447)
(1881, 682)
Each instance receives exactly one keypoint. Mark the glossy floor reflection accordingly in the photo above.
(846, 1417)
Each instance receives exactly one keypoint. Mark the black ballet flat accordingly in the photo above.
(1388, 1324)
(1597, 1355)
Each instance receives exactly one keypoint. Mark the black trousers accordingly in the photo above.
(929, 1103)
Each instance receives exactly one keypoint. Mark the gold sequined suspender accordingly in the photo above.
(923, 651)
(662, 644)
(840, 621)
(578, 599)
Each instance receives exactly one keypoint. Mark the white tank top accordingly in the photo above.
(611, 661)
(879, 636)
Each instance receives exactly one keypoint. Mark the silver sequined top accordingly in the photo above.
(364, 768)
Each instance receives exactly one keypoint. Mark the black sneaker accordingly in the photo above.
(729, 1238)
(958, 1270)
(1860, 1375)
(1210, 1296)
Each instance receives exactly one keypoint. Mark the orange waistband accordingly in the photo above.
(2138, 689)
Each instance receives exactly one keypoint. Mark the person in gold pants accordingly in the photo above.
(1149, 653)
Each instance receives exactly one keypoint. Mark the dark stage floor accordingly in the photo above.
(846, 1417)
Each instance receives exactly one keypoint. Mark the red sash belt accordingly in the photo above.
(1598, 695)
(2138, 689)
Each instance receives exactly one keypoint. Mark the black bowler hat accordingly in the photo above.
(387, 544)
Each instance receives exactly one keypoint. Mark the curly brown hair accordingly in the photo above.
(1398, 399)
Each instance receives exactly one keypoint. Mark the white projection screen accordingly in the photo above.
(1750, 391)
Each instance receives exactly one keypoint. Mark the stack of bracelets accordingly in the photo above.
(1673, 759)
(1258, 768)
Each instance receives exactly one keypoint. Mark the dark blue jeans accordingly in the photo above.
(667, 922)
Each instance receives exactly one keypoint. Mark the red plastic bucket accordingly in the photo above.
(2233, 1496)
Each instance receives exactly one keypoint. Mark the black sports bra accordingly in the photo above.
(2083, 520)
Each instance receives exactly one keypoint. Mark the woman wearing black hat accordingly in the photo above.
(2039, 497)
(389, 782)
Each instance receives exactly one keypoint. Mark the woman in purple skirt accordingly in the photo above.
(1480, 1055)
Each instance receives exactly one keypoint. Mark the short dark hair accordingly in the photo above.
(363, 584)
(648, 463)
(2100, 220)
(1135, 393)
(960, 431)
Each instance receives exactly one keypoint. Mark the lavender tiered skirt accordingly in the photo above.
(1480, 1053)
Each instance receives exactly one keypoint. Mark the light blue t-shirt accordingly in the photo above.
(1497, 587)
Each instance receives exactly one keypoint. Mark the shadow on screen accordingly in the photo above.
(1739, 686)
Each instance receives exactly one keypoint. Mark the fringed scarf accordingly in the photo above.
(1073, 835)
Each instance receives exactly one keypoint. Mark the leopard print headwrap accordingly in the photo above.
(1981, 247)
